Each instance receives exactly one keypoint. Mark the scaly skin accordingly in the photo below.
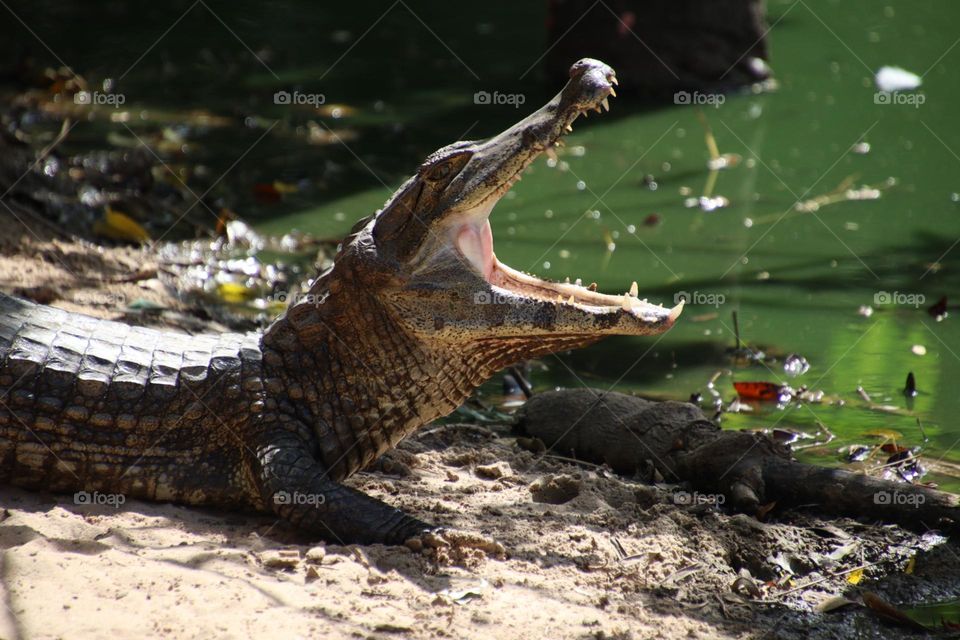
(415, 313)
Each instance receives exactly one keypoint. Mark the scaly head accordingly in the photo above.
(428, 255)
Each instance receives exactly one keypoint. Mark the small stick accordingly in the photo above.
(521, 382)
(819, 580)
(736, 328)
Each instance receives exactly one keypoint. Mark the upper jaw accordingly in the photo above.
(495, 167)
(497, 163)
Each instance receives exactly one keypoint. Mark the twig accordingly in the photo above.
(819, 580)
(521, 382)
(64, 130)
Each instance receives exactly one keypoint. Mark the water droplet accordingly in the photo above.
(546, 265)
(581, 185)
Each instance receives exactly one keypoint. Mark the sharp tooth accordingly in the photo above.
(559, 143)
(614, 80)
(570, 301)
(612, 92)
(559, 298)
(606, 104)
(578, 282)
(625, 303)
(634, 290)
(551, 153)
(568, 129)
(597, 109)
(567, 280)
(593, 286)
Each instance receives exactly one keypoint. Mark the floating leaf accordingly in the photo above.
(759, 390)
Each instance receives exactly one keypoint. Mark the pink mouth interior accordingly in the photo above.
(475, 241)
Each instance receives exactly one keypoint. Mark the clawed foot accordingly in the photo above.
(452, 546)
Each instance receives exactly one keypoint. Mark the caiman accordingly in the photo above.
(414, 314)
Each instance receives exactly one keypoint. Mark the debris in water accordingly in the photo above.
(865, 310)
(768, 391)
(897, 79)
(795, 365)
(910, 389)
(939, 309)
(706, 204)
(919, 349)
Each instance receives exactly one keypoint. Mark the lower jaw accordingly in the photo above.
(474, 240)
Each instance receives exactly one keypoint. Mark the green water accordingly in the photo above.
(796, 279)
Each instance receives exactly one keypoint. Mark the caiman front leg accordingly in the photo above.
(297, 487)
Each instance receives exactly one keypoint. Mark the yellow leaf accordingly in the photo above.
(284, 187)
(233, 292)
(117, 225)
(854, 577)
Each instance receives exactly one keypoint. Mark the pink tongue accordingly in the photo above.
(476, 244)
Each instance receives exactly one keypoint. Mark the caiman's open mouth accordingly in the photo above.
(540, 133)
